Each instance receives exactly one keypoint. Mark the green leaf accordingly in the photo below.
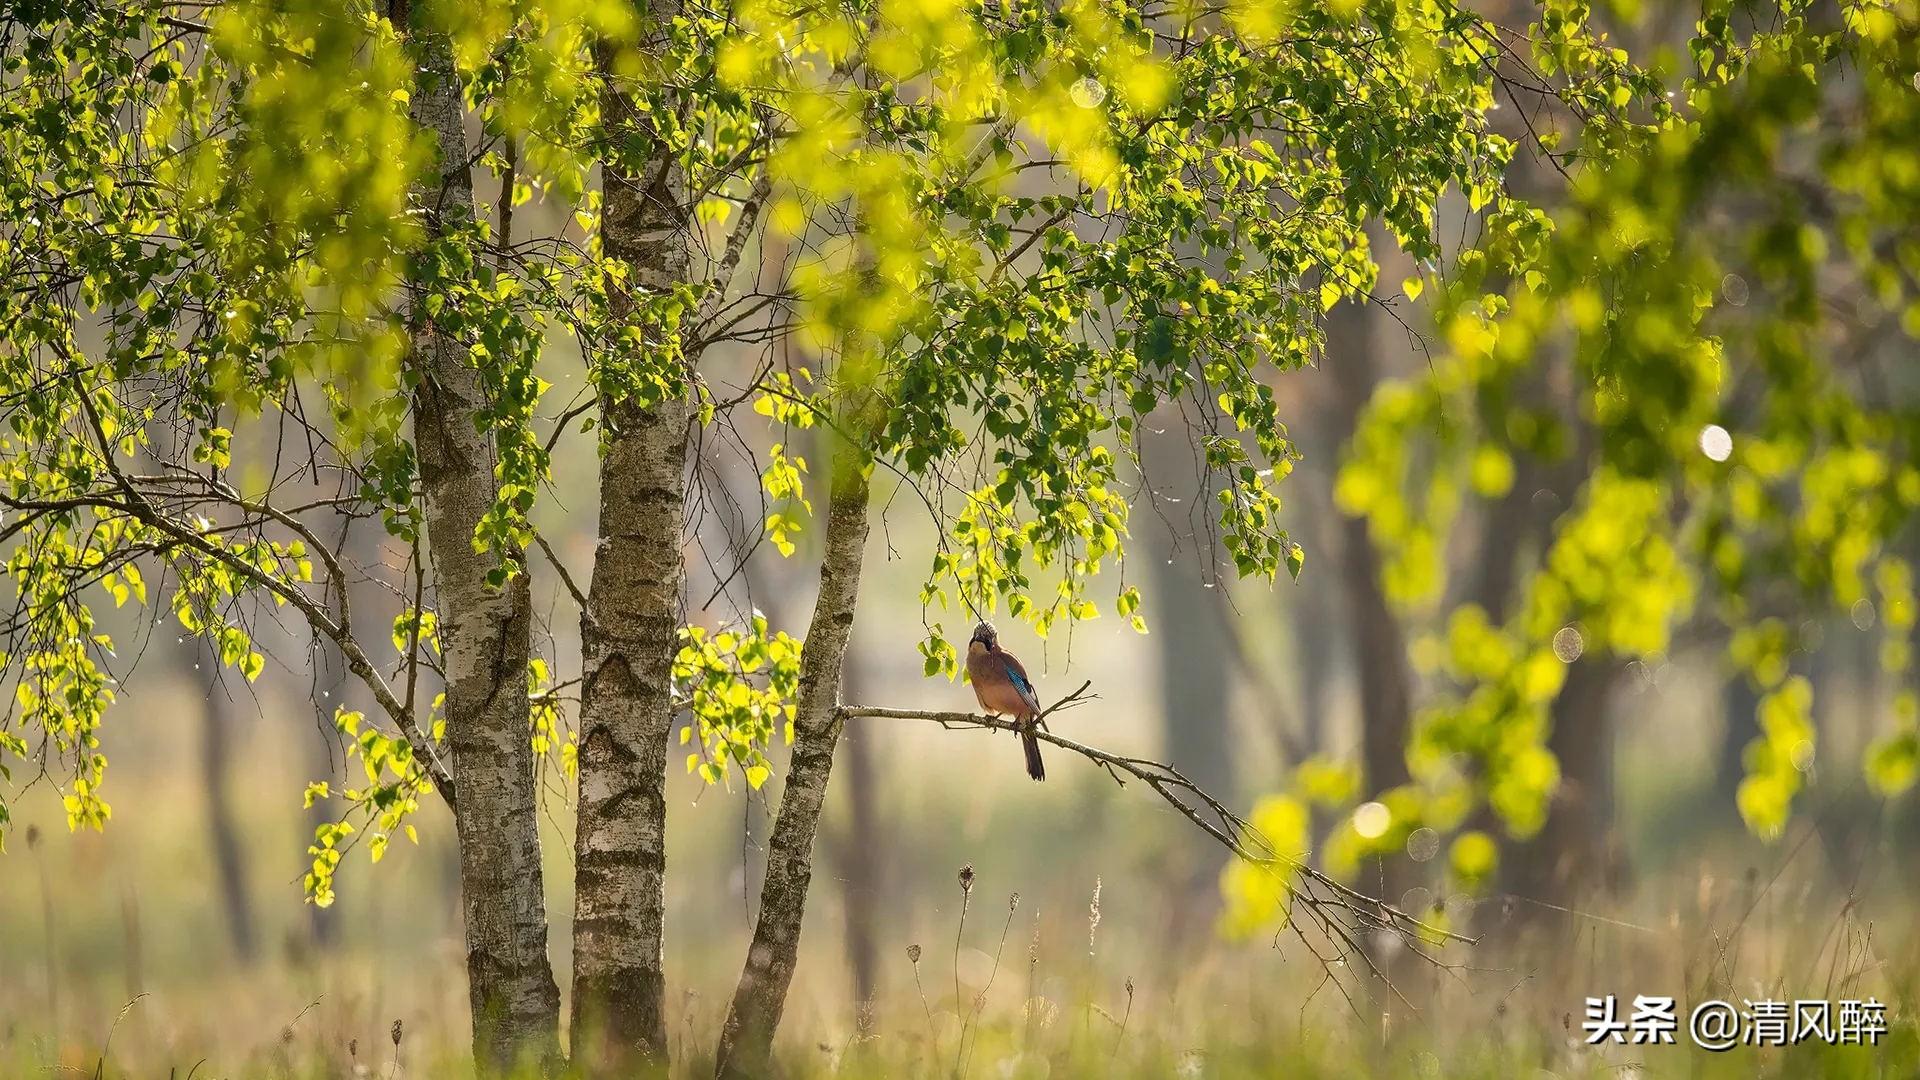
(1893, 763)
(1473, 858)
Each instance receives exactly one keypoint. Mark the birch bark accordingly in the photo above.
(628, 641)
(747, 1039)
(485, 633)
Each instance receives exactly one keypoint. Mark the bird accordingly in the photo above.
(1003, 686)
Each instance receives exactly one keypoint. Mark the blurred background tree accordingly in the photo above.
(285, 271)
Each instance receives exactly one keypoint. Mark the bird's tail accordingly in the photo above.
(1031, 743)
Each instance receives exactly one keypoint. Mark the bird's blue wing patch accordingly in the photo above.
(1019, 681)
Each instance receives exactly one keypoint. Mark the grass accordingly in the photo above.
(115, 961)
(1005, 994)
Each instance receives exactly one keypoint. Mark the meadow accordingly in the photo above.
(119, 955)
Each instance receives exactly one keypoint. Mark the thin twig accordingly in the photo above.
(1344, 914)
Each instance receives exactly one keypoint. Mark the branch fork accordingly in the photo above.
(1343, 914)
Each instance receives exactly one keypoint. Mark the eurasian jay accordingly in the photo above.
(1003, 687)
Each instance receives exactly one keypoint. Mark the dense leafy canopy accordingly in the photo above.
(984, 241)
(1022, 226)
(1731, 287)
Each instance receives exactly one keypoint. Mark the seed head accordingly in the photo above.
(397, 1032)
(1093, 916)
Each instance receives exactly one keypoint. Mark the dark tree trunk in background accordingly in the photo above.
(1312, 606)
(1314, 617)
(223, 834)
(1196, 687)
(1852, 667)
(629, 636)
(486, 638)
(1740, 713)
(1386, 706)
(1509, 526)
(1380, 648)
(329, 683)
(1185, 610)
(1196, 655)
(858, 852)
(747, 1039)
(1575, 853)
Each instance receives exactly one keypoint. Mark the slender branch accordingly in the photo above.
(1336, 907)
(567, 418)
(560, 568)
(357, 660)
(413, 636)
(187, 25)
(336, 573)
(715, 300)
(317, 616)
(503, 210)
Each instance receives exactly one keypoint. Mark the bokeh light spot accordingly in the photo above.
(1370, 820)
(1716, 442)
(1422, 844)
(1862, 614)
(1568, 644)
(1734, 288)
(1088, 93)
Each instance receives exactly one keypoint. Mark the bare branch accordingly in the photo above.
(1341, 912)
(560, 568)
(715, 300)
(316, 614)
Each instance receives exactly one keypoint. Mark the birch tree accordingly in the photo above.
(484, 624)
(977, 244)
(1030, 282)
(257, 235)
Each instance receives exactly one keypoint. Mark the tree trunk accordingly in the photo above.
(229, 858)
(1508, 527)
(629, 636)
(1379, 644)
(747, 1039)
(1740, 709)
(1314, 612)
(1574, 852)
(1196, 653)
(858, 857)
(485, 634)
(628, 640)
(1196, 687)
(1380, 648)
(1195, 650)
(1312, 607)
(1385, 699)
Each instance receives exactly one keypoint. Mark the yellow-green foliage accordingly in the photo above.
(739, 685)
(1696, 380)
